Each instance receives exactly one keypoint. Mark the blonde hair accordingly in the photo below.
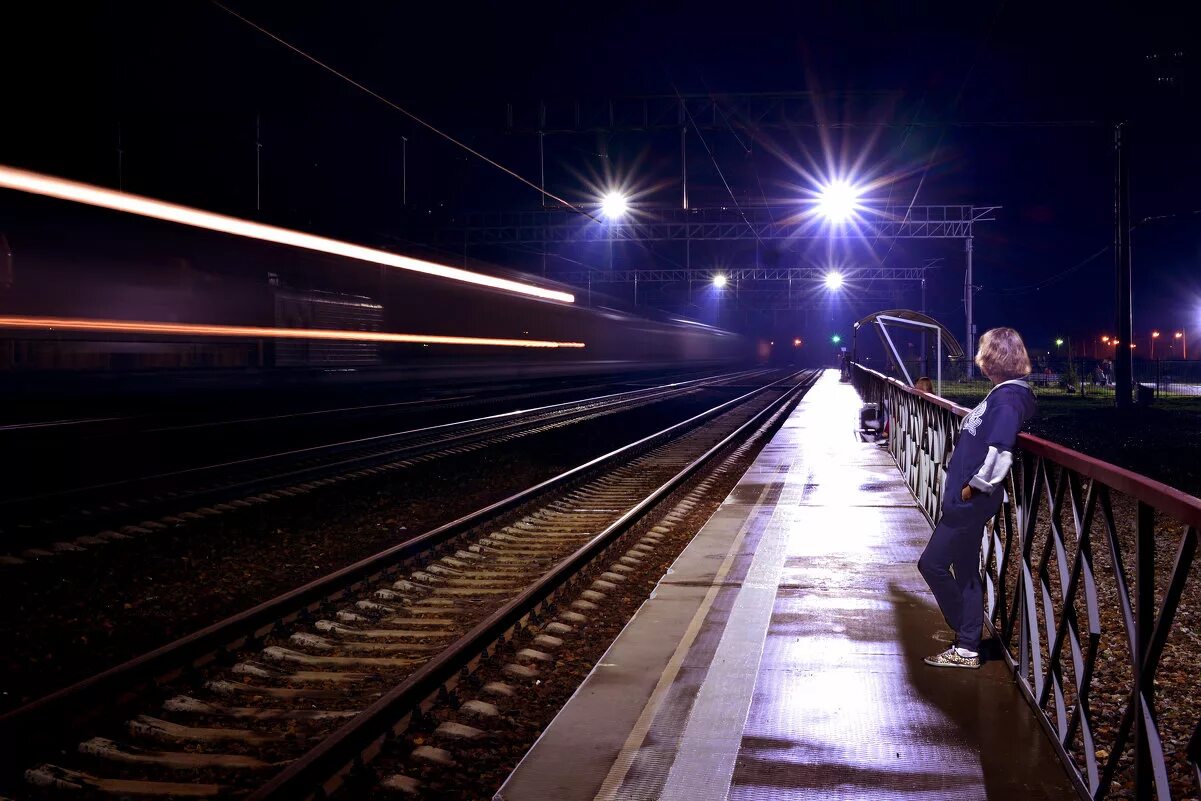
(924, 384)
(1001, 355)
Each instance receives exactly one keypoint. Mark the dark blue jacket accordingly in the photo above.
(986, 438)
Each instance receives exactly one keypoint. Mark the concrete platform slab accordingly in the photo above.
(780, 658)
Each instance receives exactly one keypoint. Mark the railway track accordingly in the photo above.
(77, 519)
(278, 700)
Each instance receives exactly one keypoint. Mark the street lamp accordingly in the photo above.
(1183, 337)
(719, 280)
(833, 280)
(838, 200)
(1154, 336)
(614, 205)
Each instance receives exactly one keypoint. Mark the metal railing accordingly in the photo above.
(1081, 573)
(1075, 377)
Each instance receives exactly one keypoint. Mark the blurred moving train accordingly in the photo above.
(64, 260)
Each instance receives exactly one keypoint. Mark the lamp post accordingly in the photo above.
(1154, 336)
(838, 201)
(613, 206)
(1183, 337)
(1124, 372)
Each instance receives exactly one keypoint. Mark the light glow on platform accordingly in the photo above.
(49, 186)
(199, 329)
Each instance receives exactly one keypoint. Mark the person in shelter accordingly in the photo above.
(972, 494)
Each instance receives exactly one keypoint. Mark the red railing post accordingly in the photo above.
(923, 431)
(1144, 625)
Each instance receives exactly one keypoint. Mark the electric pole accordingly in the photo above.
(1123, 382)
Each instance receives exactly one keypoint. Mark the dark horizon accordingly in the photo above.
(989, 106)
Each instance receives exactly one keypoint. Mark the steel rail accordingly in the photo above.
(375, 438)
(304, 776)
(1051, 568)
(35, 727)
(395, 446)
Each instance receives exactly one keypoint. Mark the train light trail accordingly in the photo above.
(49, 186)
(254, 332)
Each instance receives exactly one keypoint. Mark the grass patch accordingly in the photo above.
(1161, 441)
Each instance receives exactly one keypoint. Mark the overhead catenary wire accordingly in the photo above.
(745, 149)
(900, 148)
(1034, 287)
(428, 126)
(717, 167)
(1018, 290)
(943, 132)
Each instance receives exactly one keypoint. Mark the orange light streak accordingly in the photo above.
(198, 329)
(49, 186)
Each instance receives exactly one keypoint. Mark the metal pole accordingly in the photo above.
(684, 163)
(404, 171)
(970, 344)
(542, 168)
(1144, 625)
(938, 346)
(1121, 204)
(258, 163)
(120, 161)
(925, 351)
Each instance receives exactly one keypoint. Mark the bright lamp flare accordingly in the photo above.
(614, 205)
(719, 281)
(49, 186)
(838, 201)
(834, 280)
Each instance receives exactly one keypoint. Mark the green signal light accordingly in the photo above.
(836, 339)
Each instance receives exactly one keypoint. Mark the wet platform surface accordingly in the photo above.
(781, 658)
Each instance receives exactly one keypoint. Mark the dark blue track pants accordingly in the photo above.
(955, 544)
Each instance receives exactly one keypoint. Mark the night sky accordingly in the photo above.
(986, 103)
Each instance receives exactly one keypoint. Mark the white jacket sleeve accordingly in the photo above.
(992, 473)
